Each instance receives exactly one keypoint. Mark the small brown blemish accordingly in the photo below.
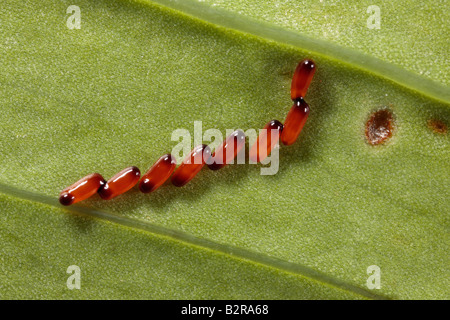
(379, 127)
(437, 126)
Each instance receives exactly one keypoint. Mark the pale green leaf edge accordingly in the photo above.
(217, 16)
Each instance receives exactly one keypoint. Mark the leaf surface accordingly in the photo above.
(109, 95)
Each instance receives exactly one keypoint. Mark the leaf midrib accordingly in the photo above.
(205, 244)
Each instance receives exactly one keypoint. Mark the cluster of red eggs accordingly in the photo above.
(201, 155)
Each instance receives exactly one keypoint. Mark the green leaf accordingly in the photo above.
(412, 35)
(110, 94)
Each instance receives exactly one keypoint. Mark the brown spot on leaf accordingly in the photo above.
(437, 126)
(379, 127)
